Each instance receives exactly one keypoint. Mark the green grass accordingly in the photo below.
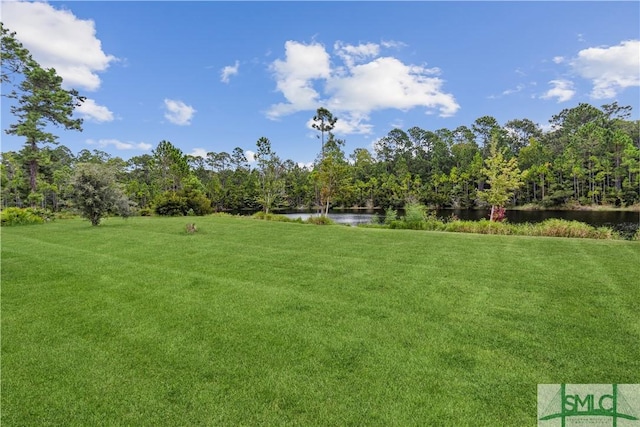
(250, 322)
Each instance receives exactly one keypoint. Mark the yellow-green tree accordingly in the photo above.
(271, 173)
(503, 177)
(332, 173)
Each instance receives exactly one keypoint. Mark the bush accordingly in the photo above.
(320, 220)
(271, 217)
(562, 228)
(390, 215)
(198, 202)
(96, 193)
(170, 204)
(21, 216)
(549, 228)
(183, 203)
(483, 226)
(415, 216)
(145, 212)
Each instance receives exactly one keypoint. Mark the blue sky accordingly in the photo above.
(212, 76)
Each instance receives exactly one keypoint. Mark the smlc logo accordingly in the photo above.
(564, 405)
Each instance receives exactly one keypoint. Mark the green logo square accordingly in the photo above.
(590, 405)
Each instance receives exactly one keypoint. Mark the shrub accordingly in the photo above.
(375, 219)
(483, 226)
(390, 215)
(415, 216)
(271, 217)
(96, 193)
(548, 228)
(20, 216)
(320, 220)
(561, 228)
(181, 203)
(171, 204)
(198, 202)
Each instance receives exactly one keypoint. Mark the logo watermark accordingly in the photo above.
(591, 405)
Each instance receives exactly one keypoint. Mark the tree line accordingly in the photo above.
(586, 156)
(590, 156)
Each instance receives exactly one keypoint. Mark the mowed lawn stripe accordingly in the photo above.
(249, 322)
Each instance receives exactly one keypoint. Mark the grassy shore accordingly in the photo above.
(248, 322)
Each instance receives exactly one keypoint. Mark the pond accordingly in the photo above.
(625, 222)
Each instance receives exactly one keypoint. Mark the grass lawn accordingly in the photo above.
(248, 322)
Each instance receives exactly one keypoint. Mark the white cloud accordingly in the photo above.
(367, 83)
(517, 89)
(58, 39)
(610, 69)
(119, 145)
(388, 83)
(294, 77)
(561, 89)
(351, 54)
(228, 71)
(250, 155)
(199, 152)
(558, 59)
(92, 111)
(392, 44)
(349, 123)
(178, 112)
(308, 166)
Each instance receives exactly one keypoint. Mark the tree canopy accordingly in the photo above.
(40, 100)
(589, 156)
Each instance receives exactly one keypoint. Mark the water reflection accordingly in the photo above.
(349, 218)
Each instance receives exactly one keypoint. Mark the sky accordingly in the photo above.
(211, 76)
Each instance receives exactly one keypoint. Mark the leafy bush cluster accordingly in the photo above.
(317, 220)
(416, 218)
(24, 216)
(274, 217)
(183, 203)
(96, 193)
(390, 215)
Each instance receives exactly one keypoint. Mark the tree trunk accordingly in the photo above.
(33, 174)
(493, 208)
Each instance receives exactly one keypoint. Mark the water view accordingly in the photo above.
(621, 221)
